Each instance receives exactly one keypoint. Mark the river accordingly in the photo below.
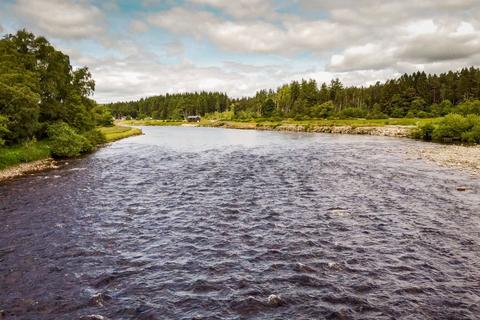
(203, 223)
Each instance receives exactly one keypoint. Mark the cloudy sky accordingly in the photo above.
(147, 47)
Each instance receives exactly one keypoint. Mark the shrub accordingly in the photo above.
(95, 137)
(423, 132)
(352, 113)
(65, 142)
(468, 107)
(376, 115)
(453, 127)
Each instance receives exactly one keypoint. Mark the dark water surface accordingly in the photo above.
(202, 223)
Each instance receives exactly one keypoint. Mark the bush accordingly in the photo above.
(424, 132)
(468, 107)
(352, 113)
(376, 115)
(453, 127)
(95, 137)
(65, 142)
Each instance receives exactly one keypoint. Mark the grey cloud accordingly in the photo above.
(439, 47)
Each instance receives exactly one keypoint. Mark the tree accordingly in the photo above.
(38, 87)
(268, 108)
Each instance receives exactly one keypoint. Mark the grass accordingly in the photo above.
(150, 122)
(39, 150)
(265, 122)
(119, 132)
(27, 152)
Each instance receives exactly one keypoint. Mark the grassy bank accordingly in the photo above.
(266, 122)
(28, 152)
(119, 132)
(40, 150)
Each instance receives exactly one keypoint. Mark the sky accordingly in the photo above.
(142, 48)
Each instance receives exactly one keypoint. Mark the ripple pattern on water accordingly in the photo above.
(193, 223)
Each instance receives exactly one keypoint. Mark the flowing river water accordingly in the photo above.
(201, 223)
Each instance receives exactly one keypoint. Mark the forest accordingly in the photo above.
(416, 95)
(43, 98)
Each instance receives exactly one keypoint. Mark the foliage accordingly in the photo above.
(415, 95)
(65, 142)
(103, 117)
(171, 106)
(349, 113)
(451, 128)
(38, 87)
(95, 136)
(25, 152)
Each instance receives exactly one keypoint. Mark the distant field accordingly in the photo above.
(119, 132)
(150, 122)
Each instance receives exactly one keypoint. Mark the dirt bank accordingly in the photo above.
(25, 168)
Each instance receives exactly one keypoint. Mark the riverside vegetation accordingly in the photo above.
(45, 105)
(417, 99)
(46, 109)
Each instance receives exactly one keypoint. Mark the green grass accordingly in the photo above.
(119, 132)
(38, 150)
(27, 152)
(274, 123)
(150, 122)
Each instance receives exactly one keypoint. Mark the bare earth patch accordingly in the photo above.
(24, 168)
(452, 156)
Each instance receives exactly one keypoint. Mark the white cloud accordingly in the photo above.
(360, 42)
(70, 19)
(256, 36)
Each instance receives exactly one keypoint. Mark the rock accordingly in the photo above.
(93, 317)
(99, 299)
(274, 300)
(461, 188)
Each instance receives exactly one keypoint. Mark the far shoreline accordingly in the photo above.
(455, 156)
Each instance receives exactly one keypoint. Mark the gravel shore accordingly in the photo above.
(452, 156)
(25, 168)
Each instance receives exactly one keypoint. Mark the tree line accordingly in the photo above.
(172, 106)
(42, 96)
(411, 95)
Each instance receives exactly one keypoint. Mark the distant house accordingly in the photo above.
(193, 118)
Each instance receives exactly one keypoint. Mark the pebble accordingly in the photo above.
(274, 300)
(93, 317)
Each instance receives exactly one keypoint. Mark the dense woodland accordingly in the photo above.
(42, 96)
(414, 95)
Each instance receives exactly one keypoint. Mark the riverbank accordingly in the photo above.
(466, 158)
(462, 157)
(35, 156)
(385, 130)
(401, 127)
(119, 132)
